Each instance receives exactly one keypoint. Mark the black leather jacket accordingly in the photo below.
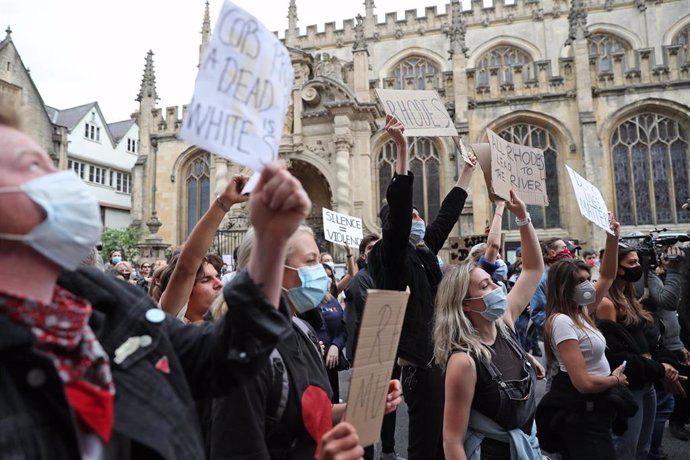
(155, 415)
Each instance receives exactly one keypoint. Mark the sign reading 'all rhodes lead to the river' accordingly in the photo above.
(241, 92)
(342, 229)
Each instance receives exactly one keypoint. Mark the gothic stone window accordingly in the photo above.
(198, 184)
(650, 167)
(683, 38)
(424, 164)
(603, 46)
(504, 58)
(418, 69)
(535, 136)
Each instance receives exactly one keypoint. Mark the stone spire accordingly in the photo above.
(360, 42)
(8, 31)
(457, 30)
(205, 33)
(369, 20)
(369, 8)
(148, 81)
(293, 30)
(577, 18)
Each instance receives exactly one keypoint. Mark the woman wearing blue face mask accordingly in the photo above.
(490, 382)
(579, 404)
(287, 409)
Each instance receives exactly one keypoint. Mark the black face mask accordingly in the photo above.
(632, 274)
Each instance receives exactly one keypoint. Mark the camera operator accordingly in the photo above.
(660, 295)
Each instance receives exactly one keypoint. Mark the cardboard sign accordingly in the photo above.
(342, 229)
(377, 347)
(592, 204)
(517, 167)
(460, 246)
(241, 92)
(422, 113)
(463, 150)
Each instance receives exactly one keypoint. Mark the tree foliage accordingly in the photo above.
(125, 239)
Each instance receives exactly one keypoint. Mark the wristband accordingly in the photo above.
(349, 256)
(222, 205)
(522, 222)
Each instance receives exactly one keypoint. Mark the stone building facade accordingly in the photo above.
(601, 85)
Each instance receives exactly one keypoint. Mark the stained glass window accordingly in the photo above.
(603, 46)
(417, 67)
(503, 57)
(424, 164)
(534, 136)
(650, 167)
(198, 189)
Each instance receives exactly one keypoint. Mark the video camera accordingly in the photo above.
(651, 247)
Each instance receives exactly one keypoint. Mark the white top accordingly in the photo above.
(591, 341)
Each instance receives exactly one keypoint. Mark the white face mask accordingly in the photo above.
(72, 226)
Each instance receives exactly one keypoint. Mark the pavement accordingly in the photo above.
(675, 449)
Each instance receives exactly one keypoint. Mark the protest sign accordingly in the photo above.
(517, 167)
(483, 154)
(342, 229)
(376, 350)
(460, 246)
(463, 151)
(241, 93)
(422, 112)
(592, 204)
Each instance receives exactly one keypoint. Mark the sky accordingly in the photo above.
(80, 51)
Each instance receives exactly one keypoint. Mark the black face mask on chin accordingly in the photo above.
(632, 274)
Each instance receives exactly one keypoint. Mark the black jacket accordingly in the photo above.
(155, 415)
(622, 346)
(356, 298)
(395, 263)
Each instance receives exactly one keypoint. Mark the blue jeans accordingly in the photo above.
(635, 442)
(664, 409)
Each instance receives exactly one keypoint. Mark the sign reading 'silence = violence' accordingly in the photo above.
(377, 346)
(342, 229)
(590, 201)
(241, 92)
(422, 112)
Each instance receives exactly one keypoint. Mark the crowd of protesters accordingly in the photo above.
(191, 359)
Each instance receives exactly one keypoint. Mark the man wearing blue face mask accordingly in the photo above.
(406, 256)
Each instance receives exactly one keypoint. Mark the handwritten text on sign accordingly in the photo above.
(376, 349)
(517, 167)
(241, 92)
(342, 229)
(592, 204)
(422, 113)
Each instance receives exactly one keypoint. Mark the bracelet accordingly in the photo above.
(222, 204)
(499, 215)
(618, 380)
(522, 222)
(349, 256)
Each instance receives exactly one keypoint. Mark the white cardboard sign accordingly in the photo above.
(590, 200)
(342, 229)
(241, 92)
(422, 112)
(376, 350)
(517, 167)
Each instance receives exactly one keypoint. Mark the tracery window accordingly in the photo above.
(416, 67)
(603, 46)
(650, 167)
(198, 185)
(683, 38)
(535, 136)
(504, 57)
(425, 165)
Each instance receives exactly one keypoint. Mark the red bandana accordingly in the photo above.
(62, 332)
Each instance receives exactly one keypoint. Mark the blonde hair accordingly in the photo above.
(453, 330)
(302, 229)
(219, 307)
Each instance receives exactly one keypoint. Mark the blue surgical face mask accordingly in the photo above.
(495, 302)
(313, 289)
(116, 260)
(585, 293)
(417, 232)
(72, 226)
